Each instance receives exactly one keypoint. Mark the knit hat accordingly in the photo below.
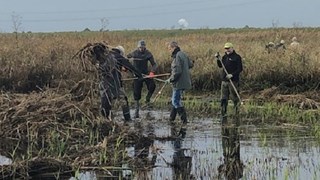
(121, 49)
(141, 43)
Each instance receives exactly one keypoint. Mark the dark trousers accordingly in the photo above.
(227, 91)
(106, 104)
(137, 88)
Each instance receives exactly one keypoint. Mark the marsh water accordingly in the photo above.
(207, 148)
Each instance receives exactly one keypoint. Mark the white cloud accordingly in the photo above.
(183, 23)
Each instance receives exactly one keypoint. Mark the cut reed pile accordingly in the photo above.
(42, 131)
(308, 100)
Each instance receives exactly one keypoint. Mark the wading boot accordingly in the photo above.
(173, 114)
(224, 107)
(148, 98)
(126, 113)
(183, 115)
(106, 113)
(236, 108)
(136, 113)
(148, 104)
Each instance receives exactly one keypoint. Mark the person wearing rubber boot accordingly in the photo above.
(231, 67)
(123, 63)
(180, 79)
(141, 57)
(109, 85)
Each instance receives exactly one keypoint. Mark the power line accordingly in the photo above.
(112, 9)
(143, 14)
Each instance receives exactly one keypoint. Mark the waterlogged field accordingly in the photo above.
(152, 148)
(201, 149)
(50, 126)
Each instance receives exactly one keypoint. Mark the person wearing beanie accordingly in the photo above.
(116, 85)
(141, 57)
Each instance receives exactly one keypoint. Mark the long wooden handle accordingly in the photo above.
(147, 76)
(233, 86)
(159, 93)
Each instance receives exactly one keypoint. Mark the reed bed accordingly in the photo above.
(49, 110)
(40, 59)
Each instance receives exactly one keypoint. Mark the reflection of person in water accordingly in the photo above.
(232, 167)
(142, 148)
(181, 163)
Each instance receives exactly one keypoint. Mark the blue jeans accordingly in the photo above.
(176, 97)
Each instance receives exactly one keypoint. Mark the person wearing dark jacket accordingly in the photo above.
(141, 57)
(232, 62)
(110, 80)
(123, 63)
(181, 80)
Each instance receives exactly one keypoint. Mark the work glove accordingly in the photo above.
(168, 81)
(217, 55)
(229, 76)
(151, 75)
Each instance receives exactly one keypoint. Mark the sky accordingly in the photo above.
(77, 15)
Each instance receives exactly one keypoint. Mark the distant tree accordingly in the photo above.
(205, 27)
(104, 24)
(275, 23)
(297, 24)
(16, 20)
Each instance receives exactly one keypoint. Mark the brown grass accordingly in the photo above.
(67, 106)
(40, 60)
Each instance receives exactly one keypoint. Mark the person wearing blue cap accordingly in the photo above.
(231, 65)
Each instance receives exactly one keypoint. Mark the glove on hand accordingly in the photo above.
(217, 55)
(229, 76)
(151, 75)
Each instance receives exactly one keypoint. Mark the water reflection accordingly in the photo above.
(232, 167)
(145, 158)
(181, 163)
(4, 160)
(165, 152)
